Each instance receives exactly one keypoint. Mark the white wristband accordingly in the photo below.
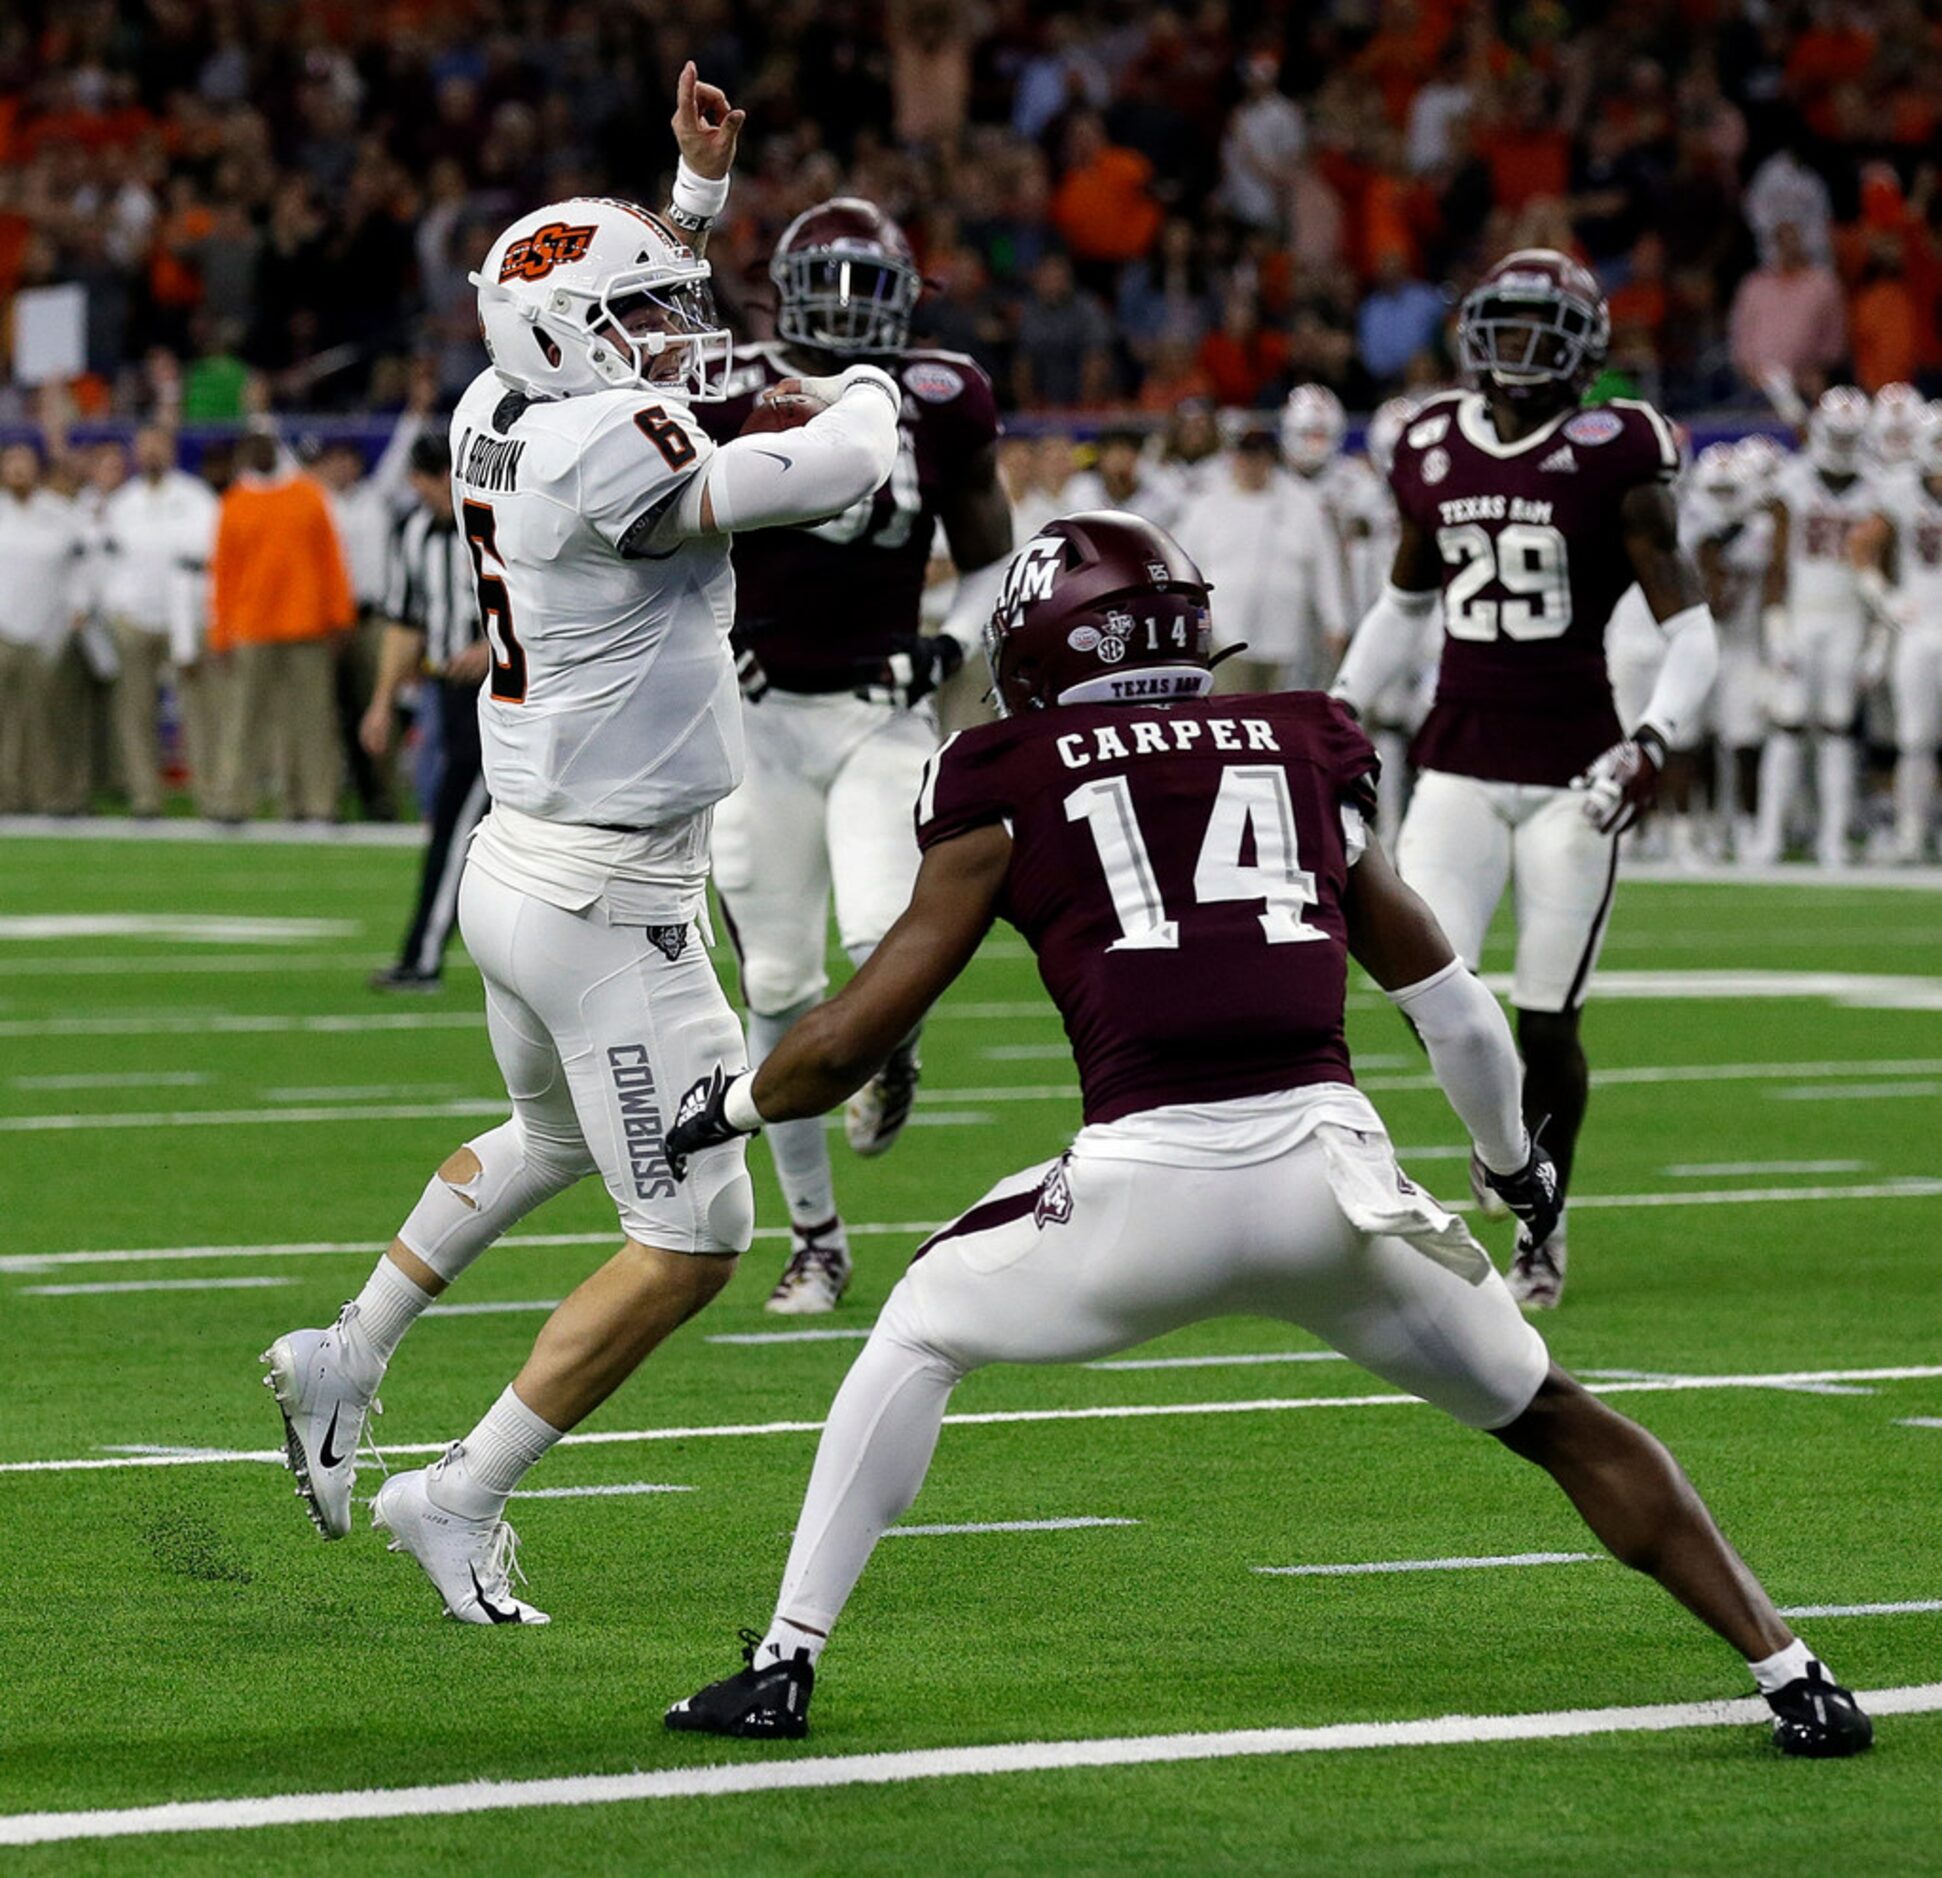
(738, 1104)
(701, 196)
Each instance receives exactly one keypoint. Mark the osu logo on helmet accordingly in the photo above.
(538, 254)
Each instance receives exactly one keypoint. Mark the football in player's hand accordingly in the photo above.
(781, 410)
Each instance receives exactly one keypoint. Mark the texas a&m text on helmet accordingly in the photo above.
(1100, 608)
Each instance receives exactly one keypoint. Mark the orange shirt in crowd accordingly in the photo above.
(1526, 163)
(278, 573)
(1885, 334)
(1103, 210)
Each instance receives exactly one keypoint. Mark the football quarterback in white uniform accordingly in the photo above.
(1815, 623)
(598, 514)
(1900, 556)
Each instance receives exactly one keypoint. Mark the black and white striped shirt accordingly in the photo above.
(430, 585)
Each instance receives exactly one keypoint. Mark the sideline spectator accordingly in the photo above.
(42, 605)
(280, 594)
(1121, 477)
(1399, 321)
(1788, 314)
(154, 542)
(1064, 341)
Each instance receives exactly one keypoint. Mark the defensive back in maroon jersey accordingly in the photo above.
(811, 603)
(1179, 872)
(1534, 560)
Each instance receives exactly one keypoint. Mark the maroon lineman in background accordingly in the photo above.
(1193, 875)
(839, 679)
(1531, 516)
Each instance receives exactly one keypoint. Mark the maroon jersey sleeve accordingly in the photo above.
(966, 784)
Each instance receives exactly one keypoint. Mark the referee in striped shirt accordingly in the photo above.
(433, 629)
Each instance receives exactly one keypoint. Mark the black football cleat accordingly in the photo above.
(1818, 1719)
(768, 1704)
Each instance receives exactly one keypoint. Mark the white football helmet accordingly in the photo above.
(591, 294)
(1385, 432)
(1837, 428)
(1720, 473)
(1760, 459)
(1926, 451)
(1313, 424)
(1893, 420)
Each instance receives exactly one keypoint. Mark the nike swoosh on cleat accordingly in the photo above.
(485, 1604)
(324, 1455)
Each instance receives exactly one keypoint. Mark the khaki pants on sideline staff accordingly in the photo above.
(277, 731)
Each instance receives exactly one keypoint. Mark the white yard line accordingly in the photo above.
(989, 1418)
(350, 964)
(246, 834)
(492, 1307)
(1855, 1092)
(191, 928)
(370, 1248)
(153, 1284)
(238, 1023)
(1003, 1525)
(1920, 1421)
(1863, 1610)
(361, 1092)
(1382, 1566)
(116, 1079)
(360, 1112)
(1720, 1170)
(789, 1336)
(1220, 1362)
(889, 1769)
(612, 1490)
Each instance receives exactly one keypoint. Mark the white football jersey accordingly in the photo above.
(1362, 516)
(1916, 516)
(1745, 549)
(1820, 520)
(612, 700)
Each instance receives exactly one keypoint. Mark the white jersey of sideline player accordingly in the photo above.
(1914, 512)
(1824, 603)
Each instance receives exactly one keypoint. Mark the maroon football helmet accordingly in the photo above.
(1535, 325)
(847, 279)
(1099, 608)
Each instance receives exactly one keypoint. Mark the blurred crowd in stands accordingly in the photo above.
(1119, 203)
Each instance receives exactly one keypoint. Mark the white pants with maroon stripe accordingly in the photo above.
(828, 800)
(1463, 841)
(1167, 1219)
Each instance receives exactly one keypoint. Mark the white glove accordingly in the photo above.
(1620, 785)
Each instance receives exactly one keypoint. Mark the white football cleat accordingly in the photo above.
(471, 1562)
(325, 1383)
(818, 1272)
(877, 1112)
(1536, 1275)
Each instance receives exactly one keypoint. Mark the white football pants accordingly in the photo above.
(599, 1031)
(1464, 840)
(1088, 1255)
(1915, 679)
(828, 799)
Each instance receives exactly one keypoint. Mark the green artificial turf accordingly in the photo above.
(180, 1633)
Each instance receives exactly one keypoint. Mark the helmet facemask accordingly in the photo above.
(1526, 340)
(846, 302)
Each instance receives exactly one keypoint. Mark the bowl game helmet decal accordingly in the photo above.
(1537, 321)
(1102, 607)
(592, 294)
(846, 279)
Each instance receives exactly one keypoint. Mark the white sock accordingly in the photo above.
(1782, 1667)
(800, 1149)
(786, 1640)
(493, 1458)
(387, 1307)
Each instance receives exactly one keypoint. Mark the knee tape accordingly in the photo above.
(455, 1220)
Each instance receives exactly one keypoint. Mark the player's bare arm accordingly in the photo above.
(1392, 629)
(706, 130)
(832, 1052)
(976, 514)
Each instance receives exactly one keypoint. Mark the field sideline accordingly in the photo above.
(1224, 1602)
